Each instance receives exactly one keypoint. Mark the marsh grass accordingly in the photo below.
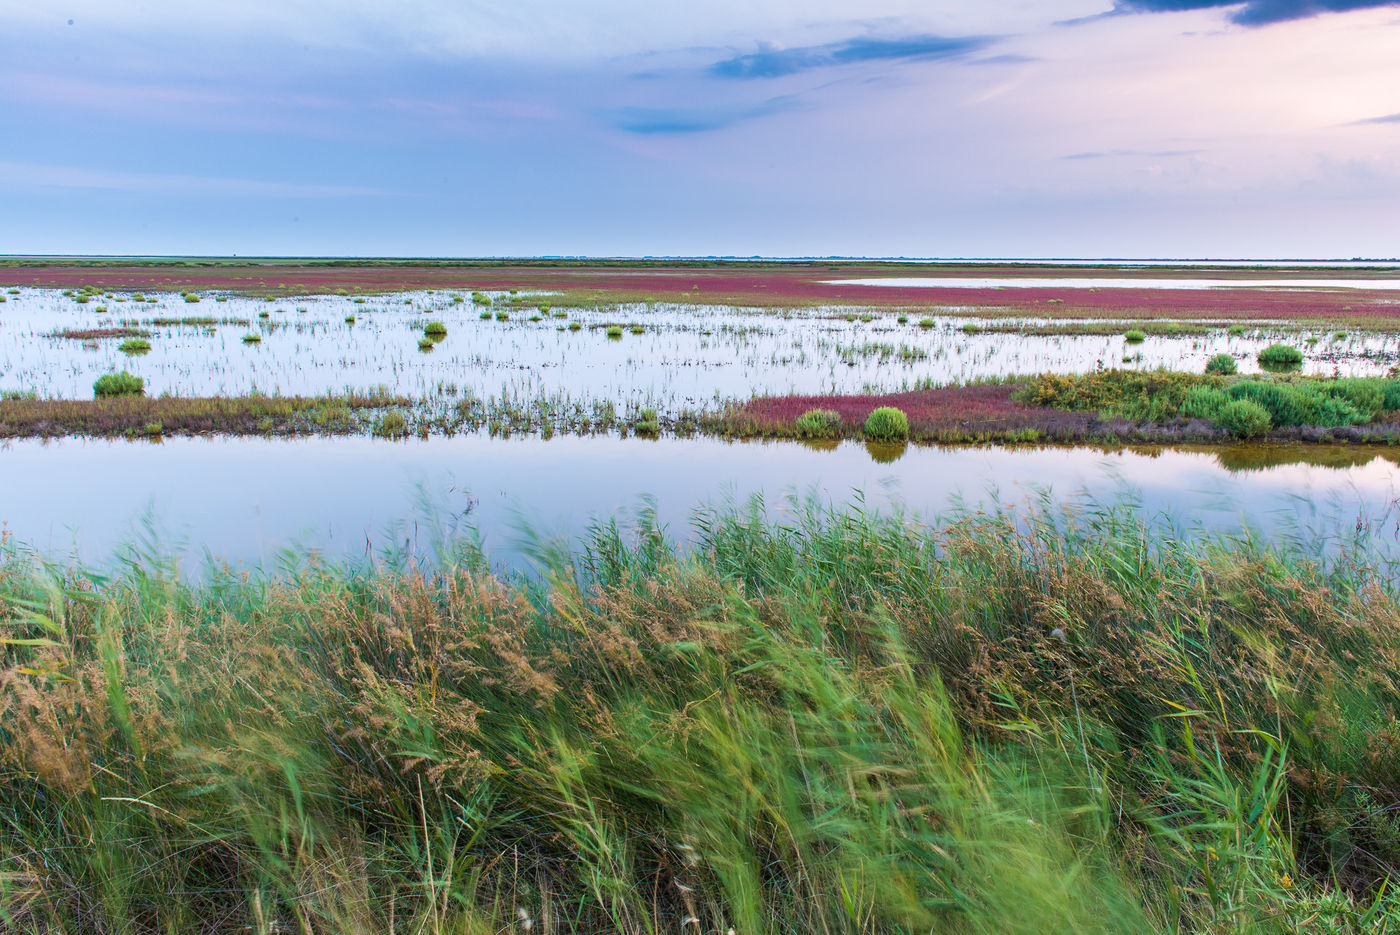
(840, 723)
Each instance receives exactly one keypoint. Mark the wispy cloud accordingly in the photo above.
(27, 174)
(1388, 118)
(1254, 12)
(774, 63)
(663, 120)
(1151, 154)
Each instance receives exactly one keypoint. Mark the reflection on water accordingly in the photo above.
(244, 499)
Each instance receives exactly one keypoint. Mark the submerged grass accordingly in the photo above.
(838, 723)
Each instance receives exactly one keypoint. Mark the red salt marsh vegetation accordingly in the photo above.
(741, 283)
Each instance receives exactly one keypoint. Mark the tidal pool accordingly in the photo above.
(246, 500)
(681, 356)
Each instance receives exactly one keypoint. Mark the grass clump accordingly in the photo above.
(818, 423)
(926, 323)
(118, 384)
(503, 315)
(902, 319)
(614, 331)
(426, 344)
(1244, 419)
(575, 326)
(1280, 356)
(1222, 364)
(252, 337)
(391, 424)
(435, 328)
(134, 346)
(485, 316)
(191, 297)
(1134, 336)
(887, 424)
(638, 329)
(647, 424)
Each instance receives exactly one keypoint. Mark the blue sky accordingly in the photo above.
(773, 127)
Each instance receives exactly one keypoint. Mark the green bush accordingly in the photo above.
(614, 331)
(1364, 395)
(252, 338)
(903, 319)
(1134, 336)
(887, 424)
(926, 322)
(1204, 402)
(134, 346)
(818, 423)
(647, 424)
(638, 329)
(485, 316)
(435, 327)
(1390, 395)
(1284, 404)
(575, 326)
(502, 316)
(1280, 355)
(191, 297)
(1222, 364)
(1244, 419)
(118, 384)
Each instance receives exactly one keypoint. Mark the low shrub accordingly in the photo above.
(485, 316)
(1244, 419)
(390, 425)
(614, 331)
(191, 297)
(926, 322)
(118, 384)
(1134, 336)
(887, 424)
(252, 338)
(818, 423)
(647, 424)
(1280, 355)
(575, 326)
(1222, 364)
(134, 346)
(435, 327)
(1204, 402)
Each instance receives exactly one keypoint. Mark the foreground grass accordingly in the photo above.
(845, 723)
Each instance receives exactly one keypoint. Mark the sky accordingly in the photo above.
(920, 128)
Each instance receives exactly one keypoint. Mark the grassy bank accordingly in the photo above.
(844, 723)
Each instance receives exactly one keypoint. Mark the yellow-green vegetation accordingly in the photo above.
(887, 424)
(614, 331)
(1162, 395)
(841, 723)
(1134, 336)
(433, 328)
(134, 346)
(118, 384)
(1280, 355)
(818, 423)
(1222, 364)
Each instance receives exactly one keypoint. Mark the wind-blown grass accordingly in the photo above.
(840, 723)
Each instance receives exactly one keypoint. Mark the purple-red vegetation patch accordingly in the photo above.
(979, 412)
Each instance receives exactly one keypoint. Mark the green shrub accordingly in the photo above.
(887, 424)
(252, 338)
(1244, 419)
(485, 316)
(1235, 331)
(818, 423)
(118, 384)
(425, 344)
(1134, 336)
(647, 424)
(903, 319)
(435, 327)
(1390, 395)
(1204, 402)
(970, 328)
(264, 314)
(191, 297)
(575, 325)
(349, 319)
(926, 323)
(1332, 411)
(134, 346)
(1284, 404)
(638, 329)
(1280, 355)
(1221, 364)
(1362, 394)
(502, 316)
(614, 331)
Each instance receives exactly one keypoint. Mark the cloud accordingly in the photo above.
(26, 174)
(1158, 154)
(774, 63)
(664, 120)
(1388, 118)
(1254, 12)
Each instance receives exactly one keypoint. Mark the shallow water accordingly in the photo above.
(686, 356)
(246, 499)
(1066, 282)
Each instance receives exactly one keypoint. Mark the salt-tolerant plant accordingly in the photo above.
(1134, 336)
(1222, 364)
(1244, 419)
(118, 384)
(134, 346)
(926, 323)
(252, 337)
(1280, 355)
(614, 331)
(887, 424)
(818, 423)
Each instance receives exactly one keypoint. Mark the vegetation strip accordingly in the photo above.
(842, 723)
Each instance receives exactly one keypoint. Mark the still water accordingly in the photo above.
(244, 500)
